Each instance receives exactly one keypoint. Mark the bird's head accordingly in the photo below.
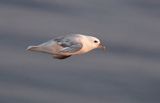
(96, 43)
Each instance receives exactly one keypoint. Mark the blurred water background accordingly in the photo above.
(128, 73)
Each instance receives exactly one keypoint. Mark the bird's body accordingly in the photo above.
(66, 46)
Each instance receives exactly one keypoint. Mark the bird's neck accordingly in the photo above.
(87, 45)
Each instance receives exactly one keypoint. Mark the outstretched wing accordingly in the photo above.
(69, 44)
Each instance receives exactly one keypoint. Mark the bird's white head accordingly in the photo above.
(95, 43)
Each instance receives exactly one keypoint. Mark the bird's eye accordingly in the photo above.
(95, 41)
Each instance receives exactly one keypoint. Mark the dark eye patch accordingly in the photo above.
(95, 41)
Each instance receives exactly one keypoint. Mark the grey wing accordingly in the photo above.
(71, 49)
(69, 44)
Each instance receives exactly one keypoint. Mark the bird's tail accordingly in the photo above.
(33, 48)
(39, 48)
